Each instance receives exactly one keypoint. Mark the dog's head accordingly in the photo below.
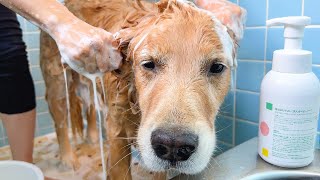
(181, 58)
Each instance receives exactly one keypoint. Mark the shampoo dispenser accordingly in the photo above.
(289, 101)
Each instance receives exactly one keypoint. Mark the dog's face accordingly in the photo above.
(181, 66)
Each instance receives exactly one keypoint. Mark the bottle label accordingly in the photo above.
(288, 132)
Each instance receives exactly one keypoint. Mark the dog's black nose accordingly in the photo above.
(173, 146)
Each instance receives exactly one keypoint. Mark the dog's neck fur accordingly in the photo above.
(111, 15)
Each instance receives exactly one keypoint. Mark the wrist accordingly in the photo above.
(58, 21)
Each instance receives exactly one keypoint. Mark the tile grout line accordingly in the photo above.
(40, 97)
(30, 32)
(247, 91)
(38, 82)
(313, 26)
(250, 60)
(280, 27)
(34, 66)
(226, 116)
(41, 113)
(302, 8)
(255, 27)
(247, 121)
(225, 143)
(34, 49)
(265, 40)
(234, 109)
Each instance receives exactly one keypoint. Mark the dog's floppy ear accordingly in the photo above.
(170, 5)
(162, 5)
(231, 15)
(123, 38)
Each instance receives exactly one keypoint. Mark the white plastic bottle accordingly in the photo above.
(289, 101)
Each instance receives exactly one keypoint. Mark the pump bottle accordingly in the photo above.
(289, 101)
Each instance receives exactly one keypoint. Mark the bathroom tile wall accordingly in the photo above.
(238, 120)
(240, 111)
(44, 120)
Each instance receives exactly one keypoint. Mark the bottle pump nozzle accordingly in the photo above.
(293, 29)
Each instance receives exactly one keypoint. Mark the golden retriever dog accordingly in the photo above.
(164, 98)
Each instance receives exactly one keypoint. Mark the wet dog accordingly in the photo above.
(165, 96)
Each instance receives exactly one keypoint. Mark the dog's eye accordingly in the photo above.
(216, 68)
(149, 65)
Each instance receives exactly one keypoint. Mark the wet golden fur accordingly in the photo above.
(182, 43)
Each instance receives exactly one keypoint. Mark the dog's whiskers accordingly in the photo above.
(120, 161)
(224, 128)
(127, 171)
(120, 90)
(132, 121)
(130, 109)
(217, 148)
(120, 138)
(128, 146)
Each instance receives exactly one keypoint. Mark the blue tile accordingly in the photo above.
(221, 148)
(31, 27)
(42, 105)
(250, 75)
(34, 57)
(252, 44)
(318, 141)
(6, 142)
(234, 1)
(44, 131)
(311, 43)
(44, 121)
(245, 131)
(268, 67)
(311, 9)
(2, 143)
(316, 71)
(36, 74)
(256, 12)
(284, 8)
(40, 89)
(319, 124)
(227, 106)
(275, 41)
(247, 106)
(2, 133)
(233, 79)
(32, 40)
(21, 21)
(224, 129)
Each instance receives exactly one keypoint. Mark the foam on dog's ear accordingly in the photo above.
(230, 14)
(123, 38)
(162, 5)
(169, 6)
(235, 47)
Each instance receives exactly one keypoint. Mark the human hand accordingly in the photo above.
(87, 47)
(231, 15)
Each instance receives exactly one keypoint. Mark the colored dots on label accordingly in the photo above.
(269, 106)
(265, 152)
(264, 128)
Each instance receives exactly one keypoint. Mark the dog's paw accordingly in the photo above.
(92, 137)
(69, 161)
